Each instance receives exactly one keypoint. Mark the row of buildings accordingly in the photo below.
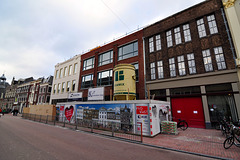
(191, 59)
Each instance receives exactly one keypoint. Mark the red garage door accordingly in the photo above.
(189, 109)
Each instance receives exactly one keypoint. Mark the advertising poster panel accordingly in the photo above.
(69, 111)
(142, 116)
(159, 113)
(122, 114)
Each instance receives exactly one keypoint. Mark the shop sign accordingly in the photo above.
(75, 95)
(96, 94)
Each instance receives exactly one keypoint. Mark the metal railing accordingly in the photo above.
(132, 132)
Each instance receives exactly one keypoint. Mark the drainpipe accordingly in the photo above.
(229, 36)
(144, 61)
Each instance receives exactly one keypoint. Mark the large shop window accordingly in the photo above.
(159, 94)
(220, 103)
(87, 81)
(128, 51)
(104, 78)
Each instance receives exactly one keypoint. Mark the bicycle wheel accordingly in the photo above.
(228, 142)
(183, 125)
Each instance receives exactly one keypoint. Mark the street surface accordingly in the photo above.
(22, 139)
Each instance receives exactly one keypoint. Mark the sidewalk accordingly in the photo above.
(200, 141)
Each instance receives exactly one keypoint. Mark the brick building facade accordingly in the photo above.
(97, 65)
(190, 62)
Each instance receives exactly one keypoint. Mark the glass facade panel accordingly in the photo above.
(88, 63)
(105, 58)
(87, 81)
(104, 78)
(128, 51)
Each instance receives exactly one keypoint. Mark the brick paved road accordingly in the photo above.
(203, 141)
(26, 140)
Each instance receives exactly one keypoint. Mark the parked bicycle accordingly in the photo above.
(224, 127)
(182, 124)
(234, 138)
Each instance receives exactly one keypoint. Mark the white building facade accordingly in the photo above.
(65, 80)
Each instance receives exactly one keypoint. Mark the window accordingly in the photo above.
(104, 78)
(177, 33)
(158, 42)
(61, 73)
(153, 72)
(75, 68)
(220, 58)
(119, 75)
(186, 32)
(88, 63)
(181, 65)
(128, 51)
(56, 75)
(160, 69)
(191, 63)
(136, 70)
(54, 88)
(212, 24)
(43, 98)
(73, 85)
(65, 71)
(39, 99)
(63, 87)
(105, 58)
(59, 86)
(70, 70)
(87, 81)
(172, 67)
(207, 60)
(68, 86)
(169, 38)
(201, 28)
(151, 46)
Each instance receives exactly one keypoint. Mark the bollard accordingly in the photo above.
(92, 127)
(47, 119)
(112, 130)
(76, 125)
(64, 122)
(54, 121)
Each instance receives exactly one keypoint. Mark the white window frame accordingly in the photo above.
(207, 60)
(191, 63)
(201, 28)
(187, 33)
(212, 24)
(177, 33)
(169, 38)
(153, 71)
(221, 64)
(172, 67)
(181, 65)
(151, 45)
(160, 69)
(158, 42)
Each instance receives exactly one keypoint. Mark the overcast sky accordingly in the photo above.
(35, 35)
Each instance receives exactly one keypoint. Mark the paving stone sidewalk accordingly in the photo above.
(201, 141)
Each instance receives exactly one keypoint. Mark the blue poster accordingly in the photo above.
(120, 113)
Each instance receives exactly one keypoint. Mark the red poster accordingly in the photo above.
(142, 110)
(61, 108)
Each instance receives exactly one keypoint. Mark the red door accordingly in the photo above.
(189, 109)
